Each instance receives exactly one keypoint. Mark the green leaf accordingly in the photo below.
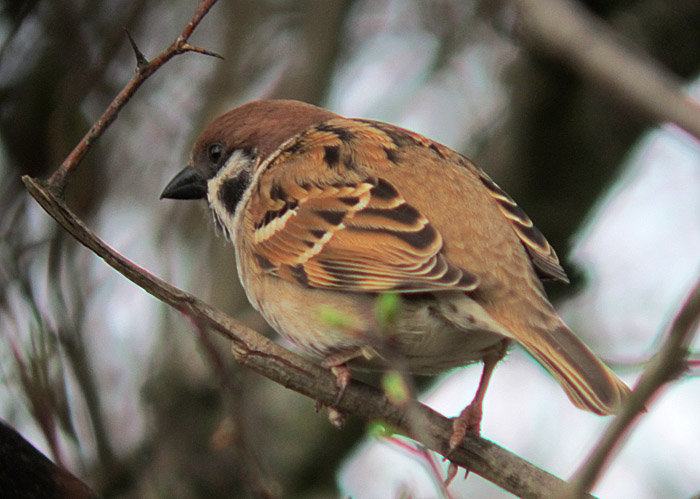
(395, 387)
(387, 308)
(379, 429)
(333, 318)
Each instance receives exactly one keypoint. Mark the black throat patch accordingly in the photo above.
(232, 189)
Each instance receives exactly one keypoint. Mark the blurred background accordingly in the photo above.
(130, 397)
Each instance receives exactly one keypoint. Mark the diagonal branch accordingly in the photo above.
(565, 31)
(144, 69)
(253, 350)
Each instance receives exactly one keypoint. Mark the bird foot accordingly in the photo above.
(342, 379)
(452, 471)
(468, 421)
(337, 364)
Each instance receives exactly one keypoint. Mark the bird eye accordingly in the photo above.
(215, 151)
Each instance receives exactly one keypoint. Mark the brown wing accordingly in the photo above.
(542, 255)
(319, 221)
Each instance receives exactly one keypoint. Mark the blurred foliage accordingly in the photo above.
(188, 423)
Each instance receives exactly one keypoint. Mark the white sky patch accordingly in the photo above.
(641, 248)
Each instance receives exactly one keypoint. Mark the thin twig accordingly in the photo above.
(667, 365)
(566, 31)
(426, 458)
(144, 69)
(253, 350)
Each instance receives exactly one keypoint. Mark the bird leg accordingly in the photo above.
(337, 363)
(469, 419)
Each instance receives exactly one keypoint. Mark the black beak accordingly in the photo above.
(188, 184)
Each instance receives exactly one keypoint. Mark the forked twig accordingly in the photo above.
(144, 69)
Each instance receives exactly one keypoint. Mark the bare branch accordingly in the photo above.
(565, 31)
(57, 182)
(186, 47)
(668, 364)
(253, 350)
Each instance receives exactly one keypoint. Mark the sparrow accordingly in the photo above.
(327, 214)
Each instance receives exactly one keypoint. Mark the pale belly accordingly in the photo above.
(430, 335)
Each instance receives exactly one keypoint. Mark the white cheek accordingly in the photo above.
(225, 216)
(223, 219)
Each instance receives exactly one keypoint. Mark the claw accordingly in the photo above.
(336, 418)
(337, 363)
(342, 378)
(452, 470)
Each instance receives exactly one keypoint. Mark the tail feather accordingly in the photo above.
(589, 383)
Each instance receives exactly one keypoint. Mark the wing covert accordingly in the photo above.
(541, 253)
(349, 232)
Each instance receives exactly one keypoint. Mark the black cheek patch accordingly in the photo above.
(232, 190)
